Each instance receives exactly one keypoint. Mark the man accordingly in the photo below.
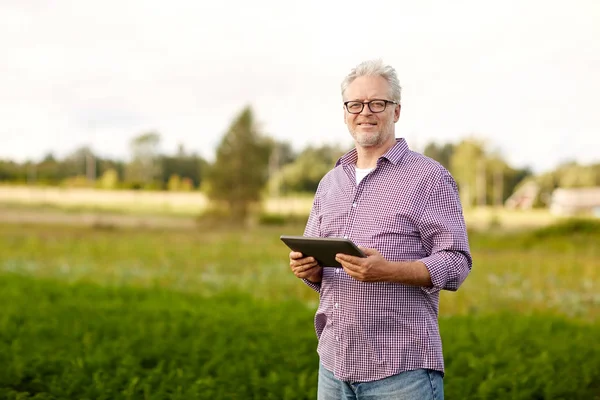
(377, 316)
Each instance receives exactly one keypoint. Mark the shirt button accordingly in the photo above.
(345, 236)
(336, 305)
(337, 338)
(337, 270)
(353, 204)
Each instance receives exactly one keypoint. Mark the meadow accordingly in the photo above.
(106, 312)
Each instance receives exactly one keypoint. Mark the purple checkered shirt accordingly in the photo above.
(408, 209)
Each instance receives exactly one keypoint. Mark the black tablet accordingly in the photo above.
(322, 249)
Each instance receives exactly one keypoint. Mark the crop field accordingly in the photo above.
(107, 312)
(128, 207)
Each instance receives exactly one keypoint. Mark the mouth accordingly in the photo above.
(367, 124)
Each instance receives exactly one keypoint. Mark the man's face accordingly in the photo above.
(367, 128)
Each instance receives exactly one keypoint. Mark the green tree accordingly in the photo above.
(240, 170)
(573, 175)
(303, 175)
(109, 179)
(467, 165)
(174, 183)
(440, 153)
(144, 169)
(183, 164)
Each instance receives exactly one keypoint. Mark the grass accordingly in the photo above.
(517, 272)
(94, 313)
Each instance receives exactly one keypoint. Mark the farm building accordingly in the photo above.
(524, 197)
(576, 201)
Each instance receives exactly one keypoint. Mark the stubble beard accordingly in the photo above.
(374, 139)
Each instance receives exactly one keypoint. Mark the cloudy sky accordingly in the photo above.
(524, 75)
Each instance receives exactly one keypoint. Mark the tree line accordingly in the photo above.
(250, 164)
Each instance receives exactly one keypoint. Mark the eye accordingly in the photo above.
(354, 106)
(378, 104)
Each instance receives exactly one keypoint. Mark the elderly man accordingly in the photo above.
(377, 316)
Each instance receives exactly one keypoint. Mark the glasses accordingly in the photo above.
(376, 106)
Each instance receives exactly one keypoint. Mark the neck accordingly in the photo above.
(368, 156)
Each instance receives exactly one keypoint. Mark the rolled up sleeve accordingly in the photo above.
(444, 236)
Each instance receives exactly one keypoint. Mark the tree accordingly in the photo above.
(240, 170)
(109, 179)
(144, 168)
(466, 165)
(439, 153)
(184, 165)
(303, 175)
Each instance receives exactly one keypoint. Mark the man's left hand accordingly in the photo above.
(373, 268)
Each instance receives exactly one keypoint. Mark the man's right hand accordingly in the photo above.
(305, 267)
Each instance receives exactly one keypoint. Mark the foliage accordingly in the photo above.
(109, 179)
(569, 227)
(568, 175)
(303, 175)
(216, 314)
(240, 170)
(573, 175)
(512, 271)
(512, 356)
(85, 341)
(483, 177)
(190, 167)
(466, 164)
(440, 153)
(144, 168)
(281, 219)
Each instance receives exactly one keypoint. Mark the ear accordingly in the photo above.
(397, 113)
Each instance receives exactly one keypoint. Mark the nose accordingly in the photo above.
(366, 110)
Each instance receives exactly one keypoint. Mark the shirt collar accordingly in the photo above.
(393, 155)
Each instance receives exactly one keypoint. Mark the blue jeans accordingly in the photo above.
(419, 384)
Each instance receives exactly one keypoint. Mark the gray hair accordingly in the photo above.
(375, 68)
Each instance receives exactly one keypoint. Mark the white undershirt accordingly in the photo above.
(361, 173)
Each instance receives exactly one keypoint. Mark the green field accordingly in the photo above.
(109, 313)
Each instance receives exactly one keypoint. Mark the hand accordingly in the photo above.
(373, 268)
(305, 267)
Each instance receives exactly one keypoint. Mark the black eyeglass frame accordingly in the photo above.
(368, 103)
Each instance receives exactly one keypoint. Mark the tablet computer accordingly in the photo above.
(322, 249)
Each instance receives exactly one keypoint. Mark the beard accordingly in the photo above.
(371, 139)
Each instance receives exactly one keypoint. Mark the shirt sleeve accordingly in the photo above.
(444, 235)
(313, 229)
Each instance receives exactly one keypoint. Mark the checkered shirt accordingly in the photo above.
(408, 209)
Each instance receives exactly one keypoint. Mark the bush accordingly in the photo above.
(281, 219)
(569, 227)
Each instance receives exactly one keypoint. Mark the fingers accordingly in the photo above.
(345, 259)
(307, 272)
(297, 258)
(303, 267)
(295, 255)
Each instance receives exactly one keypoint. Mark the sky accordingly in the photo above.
(523, 76)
